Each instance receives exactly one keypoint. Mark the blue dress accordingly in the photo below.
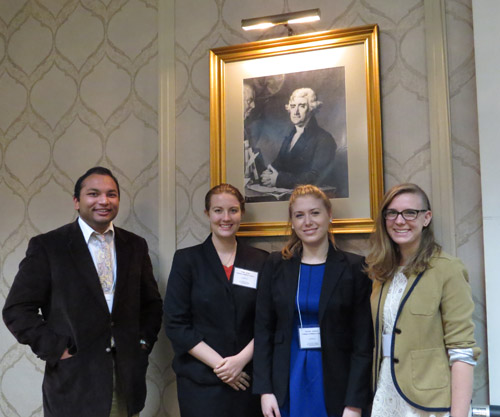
(306, 393)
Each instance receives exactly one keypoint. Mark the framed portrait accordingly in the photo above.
(299, 110)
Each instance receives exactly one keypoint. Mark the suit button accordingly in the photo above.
(397, 331)
(112, 323)
(108, 349)
(396, 360)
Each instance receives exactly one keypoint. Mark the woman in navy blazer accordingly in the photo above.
(209, 314)
(313, 329)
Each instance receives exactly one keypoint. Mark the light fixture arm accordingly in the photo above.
(286, 19)
(289, 29)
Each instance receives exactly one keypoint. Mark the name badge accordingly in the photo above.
(309, 338)
(245, 278)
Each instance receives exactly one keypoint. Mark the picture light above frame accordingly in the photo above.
(265, 22)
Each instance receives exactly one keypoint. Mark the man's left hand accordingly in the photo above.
(269, 176)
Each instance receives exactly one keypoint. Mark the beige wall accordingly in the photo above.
(78, 87)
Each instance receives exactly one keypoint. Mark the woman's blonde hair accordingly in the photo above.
(384, 257)
(294, 244)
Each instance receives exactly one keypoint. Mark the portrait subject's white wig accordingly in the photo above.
(309, 93)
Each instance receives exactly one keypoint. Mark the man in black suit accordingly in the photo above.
(307, 154)
(85, 300)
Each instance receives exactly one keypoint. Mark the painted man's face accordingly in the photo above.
(299, 110)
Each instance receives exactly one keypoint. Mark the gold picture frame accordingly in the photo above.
(355, 52)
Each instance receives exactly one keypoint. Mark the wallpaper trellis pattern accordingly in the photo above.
(78, 87)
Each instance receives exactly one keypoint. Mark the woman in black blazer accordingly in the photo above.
(209, 314)
(313, 331)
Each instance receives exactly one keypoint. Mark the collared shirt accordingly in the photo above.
(298, 133)
(93, 248)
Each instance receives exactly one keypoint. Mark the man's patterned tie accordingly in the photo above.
(104, 263)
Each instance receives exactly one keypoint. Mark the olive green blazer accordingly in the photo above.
(435, 314)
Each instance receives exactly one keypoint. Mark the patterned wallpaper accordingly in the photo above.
(78, 87)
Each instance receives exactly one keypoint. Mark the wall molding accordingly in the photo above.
(166, 133)
(486, 32)
(439, 124)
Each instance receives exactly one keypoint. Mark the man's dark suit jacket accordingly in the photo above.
(345, 326)
(311, 160)
(58, 277)
(201, 304)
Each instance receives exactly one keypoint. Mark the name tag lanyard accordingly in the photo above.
(309, 337)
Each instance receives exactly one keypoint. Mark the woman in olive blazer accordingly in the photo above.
(343, 316)
(422, 308)
(209, 315)
(435, 314)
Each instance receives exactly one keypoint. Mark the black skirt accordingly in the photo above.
(199, 400)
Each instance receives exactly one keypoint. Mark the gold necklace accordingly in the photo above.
(230, 259)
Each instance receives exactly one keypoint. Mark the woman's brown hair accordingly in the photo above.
(294, 244)
(224, 189)
(384, 257)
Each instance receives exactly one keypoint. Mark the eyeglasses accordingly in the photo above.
(408, 214)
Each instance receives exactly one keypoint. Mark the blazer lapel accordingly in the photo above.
(123, 256)
(385, 291)
(84, 264)
(334, 268)
(409, 284)
(237, 256)
(291, 276)
(214, 262)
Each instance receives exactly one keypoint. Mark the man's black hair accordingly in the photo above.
(91, 171)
